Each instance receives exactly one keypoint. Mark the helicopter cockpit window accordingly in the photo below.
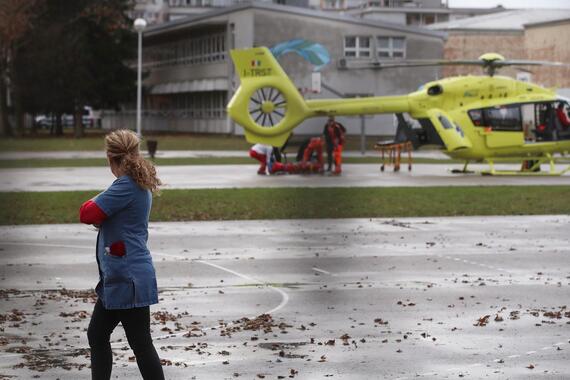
(476, 117)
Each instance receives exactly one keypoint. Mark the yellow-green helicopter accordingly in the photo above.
(476, 118)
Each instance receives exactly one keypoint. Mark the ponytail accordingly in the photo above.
(122, 146)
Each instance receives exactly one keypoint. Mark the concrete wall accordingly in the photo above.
(393, 17)
(431, 3)
(549, 42)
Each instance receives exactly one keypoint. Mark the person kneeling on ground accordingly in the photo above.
(262, 153)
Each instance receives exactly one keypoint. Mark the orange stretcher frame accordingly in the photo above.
(391, 154)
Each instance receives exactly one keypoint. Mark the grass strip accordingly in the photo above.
(303, 203)
(87, 162)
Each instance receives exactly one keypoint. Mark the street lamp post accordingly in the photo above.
(140, 25)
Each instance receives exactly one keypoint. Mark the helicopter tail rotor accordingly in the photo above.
(267, 104)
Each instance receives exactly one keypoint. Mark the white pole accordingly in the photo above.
(140, 25)
(139, 86)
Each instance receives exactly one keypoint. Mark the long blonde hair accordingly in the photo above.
(122, 147)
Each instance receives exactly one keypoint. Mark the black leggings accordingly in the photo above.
(136, 323)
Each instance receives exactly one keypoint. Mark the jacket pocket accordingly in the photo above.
(117, 249)
(119, 294)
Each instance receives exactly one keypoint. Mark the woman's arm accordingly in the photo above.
(90, 213)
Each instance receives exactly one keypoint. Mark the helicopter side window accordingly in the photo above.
(503, 118)
(445, 122)
(498, 118)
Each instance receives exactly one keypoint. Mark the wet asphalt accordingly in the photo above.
(417, 298)
(245, 176)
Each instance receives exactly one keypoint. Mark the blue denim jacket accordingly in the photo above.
(127, 277)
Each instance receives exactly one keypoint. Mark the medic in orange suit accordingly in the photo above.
(334, 133)
(315, 147)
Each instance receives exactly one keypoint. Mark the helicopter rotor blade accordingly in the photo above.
(521, 62)
(439, 62)
(422, 63)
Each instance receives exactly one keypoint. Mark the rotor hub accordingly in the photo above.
(267, 106)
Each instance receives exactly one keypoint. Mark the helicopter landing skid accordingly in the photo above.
(464, 170)
(530, 168)
(522, 173)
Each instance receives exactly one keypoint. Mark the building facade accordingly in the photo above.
(405, 12)
(548, 41)
(533, 34)
(191, 77)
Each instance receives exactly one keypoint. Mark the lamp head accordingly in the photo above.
(140, 24)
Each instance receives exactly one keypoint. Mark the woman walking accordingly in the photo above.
(127, 281)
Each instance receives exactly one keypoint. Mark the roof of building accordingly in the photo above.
(482, 11)
(194, 19)
(551, 22)
(514, 20)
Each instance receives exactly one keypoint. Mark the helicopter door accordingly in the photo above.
(451, 133)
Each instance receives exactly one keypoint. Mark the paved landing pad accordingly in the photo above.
(244, 176)
(427, 298)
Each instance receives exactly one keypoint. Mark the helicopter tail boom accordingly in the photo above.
(268, 105)
(359, 106)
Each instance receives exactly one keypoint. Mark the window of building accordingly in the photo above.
(194, 105)
(391, 47)
(413, 19)
(333, 4)
(429, 19)
(357, 46)
(198, 50)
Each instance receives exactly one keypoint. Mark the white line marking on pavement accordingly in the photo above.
(475, 263)
(284, 296)
(321, 271)
(531, 352)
